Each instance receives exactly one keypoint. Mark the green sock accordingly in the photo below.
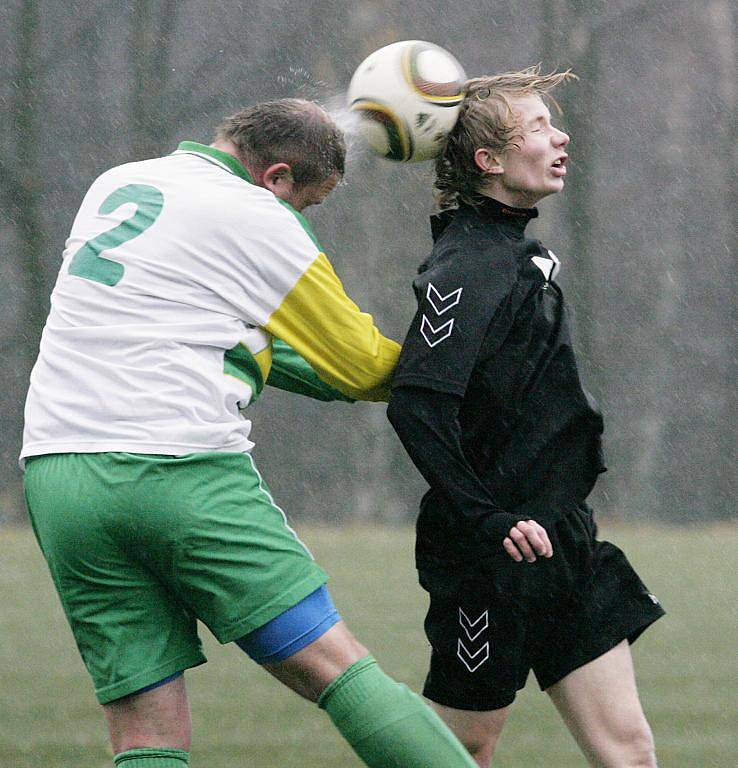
(152, 758)
(388, 725)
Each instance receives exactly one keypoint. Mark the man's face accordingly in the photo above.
(301, 198)
(537, 166)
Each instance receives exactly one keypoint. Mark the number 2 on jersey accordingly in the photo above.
(88, 262)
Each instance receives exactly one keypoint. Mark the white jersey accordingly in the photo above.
(172, 263)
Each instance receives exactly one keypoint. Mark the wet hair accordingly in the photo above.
(293, 131)
(486, 119)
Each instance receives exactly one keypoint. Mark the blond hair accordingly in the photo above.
(486, 119)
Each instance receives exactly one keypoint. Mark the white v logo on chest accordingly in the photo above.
(549, 266)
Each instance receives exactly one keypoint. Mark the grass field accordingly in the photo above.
(687, 663)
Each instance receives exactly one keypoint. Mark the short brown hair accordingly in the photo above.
(293, 131)
(486, 119)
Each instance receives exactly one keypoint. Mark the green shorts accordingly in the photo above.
(140, 546)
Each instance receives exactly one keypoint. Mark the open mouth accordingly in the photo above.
(559, 165)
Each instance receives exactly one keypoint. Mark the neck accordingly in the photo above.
(227, 146)
(255, 171)
(514, 197)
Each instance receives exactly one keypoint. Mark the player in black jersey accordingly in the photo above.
(488, 402)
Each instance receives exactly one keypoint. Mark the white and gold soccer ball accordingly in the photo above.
(408, 96)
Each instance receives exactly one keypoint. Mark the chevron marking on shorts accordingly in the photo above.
(468, 625)
(440, 303)
(468, 658)
(433, 335)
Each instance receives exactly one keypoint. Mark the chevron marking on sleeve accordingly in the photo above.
(468, 658)
(440, 303)
(433, 335)
(477, 626)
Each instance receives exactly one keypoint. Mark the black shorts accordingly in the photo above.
(489, 624)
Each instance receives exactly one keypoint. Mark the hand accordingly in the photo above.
(527, 539)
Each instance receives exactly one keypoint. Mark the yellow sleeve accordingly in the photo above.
(321, 323)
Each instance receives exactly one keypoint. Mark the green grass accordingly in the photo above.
(687, 663)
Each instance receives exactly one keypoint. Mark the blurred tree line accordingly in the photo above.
(646, 228)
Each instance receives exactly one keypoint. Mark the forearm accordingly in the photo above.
(341, 343)
(427, 424)
(293, 373)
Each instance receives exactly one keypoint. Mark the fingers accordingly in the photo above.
(537, 537)
(520, 539)
(526, 540)
(512, 550)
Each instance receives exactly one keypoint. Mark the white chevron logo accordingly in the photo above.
(545, 265)
(550, 267)
(433, 335)
(468, 625)
(440, 303)
(468, 658)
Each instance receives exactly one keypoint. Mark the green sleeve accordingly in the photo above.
(292, 373)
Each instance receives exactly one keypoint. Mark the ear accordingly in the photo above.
(277, 178)
(487, 162)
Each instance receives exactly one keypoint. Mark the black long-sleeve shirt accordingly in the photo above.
(487, 397)
(428, 425)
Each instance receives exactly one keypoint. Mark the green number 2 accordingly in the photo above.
(87, 262)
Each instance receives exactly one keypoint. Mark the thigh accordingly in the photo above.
(292, 630)
(129, 628)
(599, 704)
(477, 633)
(237, 563)
(608, 603)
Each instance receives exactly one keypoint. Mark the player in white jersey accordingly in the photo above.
(188, 283)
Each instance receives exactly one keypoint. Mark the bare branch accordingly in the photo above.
(167, 22)
(11, 187)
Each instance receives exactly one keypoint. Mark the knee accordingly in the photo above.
(481, 750)
(479, 741)
(156, 718)
(313, 668)
(635, 747)
(642, 748)
(477, 731)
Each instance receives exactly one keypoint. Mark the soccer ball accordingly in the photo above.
(408, 96)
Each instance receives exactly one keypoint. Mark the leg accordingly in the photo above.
(599, 704)
(477, 731)
(150, 719)
(311, 670)
(387, 725)
(130, 633)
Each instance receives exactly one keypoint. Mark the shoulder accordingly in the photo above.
(475, 258)
(244, 208)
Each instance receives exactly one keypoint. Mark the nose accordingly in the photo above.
(560, 139)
